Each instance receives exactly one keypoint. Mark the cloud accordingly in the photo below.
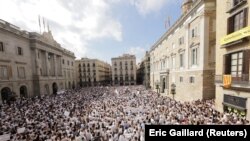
(138, 51)
(74, 23)
(145, 7)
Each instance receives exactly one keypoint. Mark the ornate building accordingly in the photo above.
(184, 57)
(124, 70)
(32, 64)
(92, 72)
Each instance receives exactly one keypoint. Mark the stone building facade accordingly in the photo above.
(124, 70)
(31, 64)
(233, 56)
(143, 71)
(140, 73)
(146, 77)
(183, 59)
(15, 63)
(92, 72)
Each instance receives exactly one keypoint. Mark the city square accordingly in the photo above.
(104, 113)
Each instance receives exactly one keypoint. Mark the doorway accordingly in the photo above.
(5, 94)
(54, 88)
(23, 92)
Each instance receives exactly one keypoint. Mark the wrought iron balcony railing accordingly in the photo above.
(236, 79)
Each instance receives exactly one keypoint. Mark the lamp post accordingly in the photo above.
(173, 92)
(157, 86)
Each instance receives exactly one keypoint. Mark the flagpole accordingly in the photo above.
(43, 24)
(39, 21)
(48, 26)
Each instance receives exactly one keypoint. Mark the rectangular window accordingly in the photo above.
(181, 79)
(3, 72)
(237, 21)
(194, 32)
(1, 47)
(237, 65)
(182, 60)
(21, 72)
(192, 79)
(194, 56)
(132, 78)
(126, 78)
(63, 61)
(181, 40)
(19, 51)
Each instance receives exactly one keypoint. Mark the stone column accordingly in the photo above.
(186, 53)
(60, 65)
(55, 65)
(47, 63)
(204, 39)
(37, 63)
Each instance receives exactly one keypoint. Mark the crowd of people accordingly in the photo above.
(102, 114)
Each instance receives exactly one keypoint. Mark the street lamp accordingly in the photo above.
(157, 86)
(173, 92)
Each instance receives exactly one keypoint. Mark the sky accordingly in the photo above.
(99, 29)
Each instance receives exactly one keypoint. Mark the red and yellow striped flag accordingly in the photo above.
(227, 81)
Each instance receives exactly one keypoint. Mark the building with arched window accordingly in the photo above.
(32, 64)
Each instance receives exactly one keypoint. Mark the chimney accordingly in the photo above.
(186, 6)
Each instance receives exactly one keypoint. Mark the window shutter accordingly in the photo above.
(230, 25)
(246, 57)
(245, 16)
(227, 64)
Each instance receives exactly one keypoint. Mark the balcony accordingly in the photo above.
(241, 82)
